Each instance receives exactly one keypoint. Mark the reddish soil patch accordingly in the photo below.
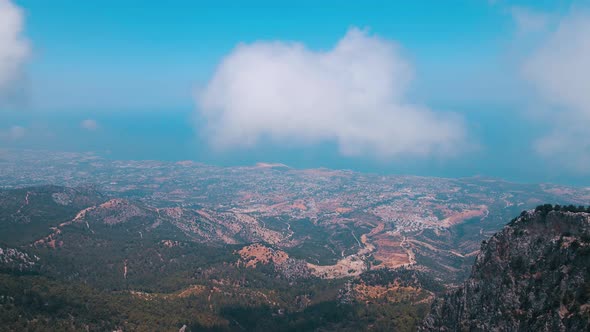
(258, 253)
(389, 251)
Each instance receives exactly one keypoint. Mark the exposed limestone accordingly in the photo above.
(534, 275)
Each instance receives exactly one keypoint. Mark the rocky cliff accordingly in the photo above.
(534, 275)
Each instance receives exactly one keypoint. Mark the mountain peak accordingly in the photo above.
(532, 275)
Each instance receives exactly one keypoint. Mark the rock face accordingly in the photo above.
(15, 260)
(534, 275)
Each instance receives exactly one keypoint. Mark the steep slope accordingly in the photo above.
(129, 220)
(28, 213)
(75, 233)
(534, 275)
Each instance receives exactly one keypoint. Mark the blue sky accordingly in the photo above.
(121, 49)
(157, 80)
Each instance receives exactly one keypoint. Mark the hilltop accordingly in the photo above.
(534, 275)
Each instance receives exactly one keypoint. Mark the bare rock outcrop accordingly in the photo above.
(534, 275)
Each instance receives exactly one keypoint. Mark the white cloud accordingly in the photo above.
(560, 70)
(13, 133)
(354, 95)
(17, 132)
(528, 20)
(14, 48)
(89, 124)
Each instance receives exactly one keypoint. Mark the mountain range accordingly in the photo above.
(75, 258)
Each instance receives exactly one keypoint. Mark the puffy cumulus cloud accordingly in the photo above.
(14, 48)
(89, 124)
(528, 20)
(560, 70)
(354, 94)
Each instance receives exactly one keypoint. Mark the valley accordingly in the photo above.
(248, 248)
